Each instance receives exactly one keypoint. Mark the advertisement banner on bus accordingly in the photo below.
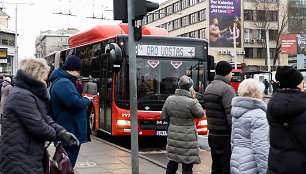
(224, 17)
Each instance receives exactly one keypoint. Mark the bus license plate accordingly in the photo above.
(161, 133)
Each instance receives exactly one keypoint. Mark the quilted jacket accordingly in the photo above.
(182, 142)
(25, 127)
(250, 136)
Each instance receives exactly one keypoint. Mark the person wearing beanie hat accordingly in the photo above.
(217, 101)
(180, 111)
(286, 116)
(288, 77)
(223, 68)
(67, 104)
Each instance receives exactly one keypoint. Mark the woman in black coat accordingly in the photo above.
(26, 125)
(287, 120)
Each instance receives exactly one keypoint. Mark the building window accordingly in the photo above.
(272, 1)
(260, 53)
(201, 15)
(192, 18)
(176, 24)
(273, 34)
(261, 34)
(260, 15)
(170, 26)
(272, 16)
(169, 10)
(192, 34)
(248, 52)
(176, 7)
(259, 0)
(192, 2)
(248, 15)
(248, 0)
(201, 1)
(202, 33)
(150, 18)
(184, 21)
(162, 13)
(156, 15)
(248, 33)
(144, 20)
(183, 4)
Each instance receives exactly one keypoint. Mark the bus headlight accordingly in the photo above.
(202, 123)
(123, 122)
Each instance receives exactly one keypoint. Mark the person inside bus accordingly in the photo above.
(26, 125)
(67, 104)
(142, 88)
(90, 87)
(180, 111)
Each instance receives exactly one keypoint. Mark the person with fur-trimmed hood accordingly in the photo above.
(25, 123)
(287, 120)
(5, 90)
(181, 110)
(217, 101)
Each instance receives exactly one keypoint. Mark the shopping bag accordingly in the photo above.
(59, 164)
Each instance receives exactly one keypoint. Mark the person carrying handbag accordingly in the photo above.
(25, 125)
(286, 116)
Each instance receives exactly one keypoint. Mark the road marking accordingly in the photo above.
(85, 164)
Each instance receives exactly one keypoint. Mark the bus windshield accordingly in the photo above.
(158, 78)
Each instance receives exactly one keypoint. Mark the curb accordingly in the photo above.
(129, 151)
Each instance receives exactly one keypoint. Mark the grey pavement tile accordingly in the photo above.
(117, 153)
(93, 170)
(111, 167)
(121, 171)
(104, 160)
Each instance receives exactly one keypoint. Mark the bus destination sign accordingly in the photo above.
(165, 51)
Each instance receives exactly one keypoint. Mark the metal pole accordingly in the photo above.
(133, 88)
(268, 58)
(235, 54)
(15, 62)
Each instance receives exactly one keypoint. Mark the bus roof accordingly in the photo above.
(102, 32)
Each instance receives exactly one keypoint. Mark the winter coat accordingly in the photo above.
(217, 101)
(250, 136)
(182, 142)
(90, 88)
(6, 88)
(287, 120)
(68, 105)
(25, 127)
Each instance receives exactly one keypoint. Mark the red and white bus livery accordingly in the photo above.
(160, 60)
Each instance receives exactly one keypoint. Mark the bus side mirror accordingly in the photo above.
(211, 67)
(115, 54)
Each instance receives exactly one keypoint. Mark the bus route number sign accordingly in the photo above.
(165, 51)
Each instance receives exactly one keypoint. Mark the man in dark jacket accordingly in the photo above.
(68, 106)
(286, 116)
(217, 102)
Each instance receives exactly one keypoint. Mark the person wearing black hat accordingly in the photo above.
(67, 104)
(286, 116)
(180, 111)
(217, 101)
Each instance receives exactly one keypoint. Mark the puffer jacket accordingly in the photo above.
(68, 104)
(180, 110)
(25, 127)
(5, 90)
(217, 101)
(90, 88)
(250, 136)
(287, 120)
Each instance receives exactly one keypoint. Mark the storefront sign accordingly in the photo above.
(3, 52)
(3, 60)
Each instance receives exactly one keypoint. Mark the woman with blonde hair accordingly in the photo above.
(250, 130)
(26, 125)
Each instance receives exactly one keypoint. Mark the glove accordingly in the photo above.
(68, 138)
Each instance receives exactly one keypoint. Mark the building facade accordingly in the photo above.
(191, 18)
(7, 47)
(50, 41)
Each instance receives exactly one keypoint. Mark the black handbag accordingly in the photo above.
(59, 164)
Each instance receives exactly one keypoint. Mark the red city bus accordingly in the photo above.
(160, 59)
(236, 78)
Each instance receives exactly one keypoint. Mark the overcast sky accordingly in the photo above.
(31, 19)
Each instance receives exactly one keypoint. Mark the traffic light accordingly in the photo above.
(142, 7)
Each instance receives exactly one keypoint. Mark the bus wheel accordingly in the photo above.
(92, 127)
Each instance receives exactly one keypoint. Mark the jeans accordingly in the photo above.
(220, 153)
(172, 168)
(73, 153)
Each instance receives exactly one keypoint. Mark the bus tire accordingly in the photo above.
(92, 118)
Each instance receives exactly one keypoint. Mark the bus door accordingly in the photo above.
(106, 94)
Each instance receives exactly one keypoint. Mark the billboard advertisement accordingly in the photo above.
(224, 17)
(293, 44)
(288, 44)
